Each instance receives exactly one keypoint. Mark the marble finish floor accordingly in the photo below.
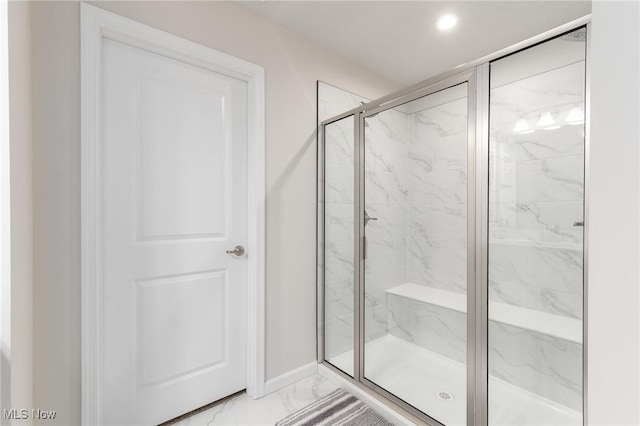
(242, 410)
(422, 374)
(417, 379)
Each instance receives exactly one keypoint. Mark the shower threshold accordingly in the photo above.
(436, 385)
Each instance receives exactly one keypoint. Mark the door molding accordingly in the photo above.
(96, 25)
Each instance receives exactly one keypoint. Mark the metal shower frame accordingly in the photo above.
(476, 75)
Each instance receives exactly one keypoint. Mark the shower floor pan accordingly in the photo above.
(436, 385)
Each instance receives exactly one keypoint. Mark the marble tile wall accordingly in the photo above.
(536, 185)
(437, 197)
(339, 213)
(432, 327)
(535, 251)
(415, 180)
(386, 199)
(416, 185)
(545, 365)
(542, 364)
(536, 194)
(386, 183)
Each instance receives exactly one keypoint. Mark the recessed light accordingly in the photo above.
(447, 21)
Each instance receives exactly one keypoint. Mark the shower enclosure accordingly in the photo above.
(451, 239)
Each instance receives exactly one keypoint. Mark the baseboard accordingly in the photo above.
(290, 377)
(382, 408)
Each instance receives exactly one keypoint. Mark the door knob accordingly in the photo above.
(238, 251)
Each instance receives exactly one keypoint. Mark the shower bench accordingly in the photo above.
(523, 342)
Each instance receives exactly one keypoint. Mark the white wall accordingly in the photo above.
(55, 88)
(21, 207)
(5, 215)
(614, 219)
(292, 67)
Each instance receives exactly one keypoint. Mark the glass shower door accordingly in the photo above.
(415, 273)
(338, 244)
(536, 195)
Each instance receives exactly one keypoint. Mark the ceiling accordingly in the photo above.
(399, 39)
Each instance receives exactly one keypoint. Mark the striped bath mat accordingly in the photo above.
(339, 408)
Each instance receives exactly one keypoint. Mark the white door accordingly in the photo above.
(175, 200)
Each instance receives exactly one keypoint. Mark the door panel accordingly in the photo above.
(172, 312)
(415, 268)
(182, 128)
(175, 194)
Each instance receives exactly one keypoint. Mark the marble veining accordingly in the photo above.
(437, 224)
(438, 329)
(340, 329)
(416, 186)
(547, 366)
(339, 143)
(242, 410)
(339, 298)
(338, 220)
(536, 194)
(385, 199)
(338, 261)
(333, 101)
(417, 374)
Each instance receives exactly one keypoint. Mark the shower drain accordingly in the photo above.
(445, 396)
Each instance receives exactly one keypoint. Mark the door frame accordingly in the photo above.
(96, 25)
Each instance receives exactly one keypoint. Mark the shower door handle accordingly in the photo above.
(367, 218)
(364, 248)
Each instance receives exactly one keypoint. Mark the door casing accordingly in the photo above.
(96, 25)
